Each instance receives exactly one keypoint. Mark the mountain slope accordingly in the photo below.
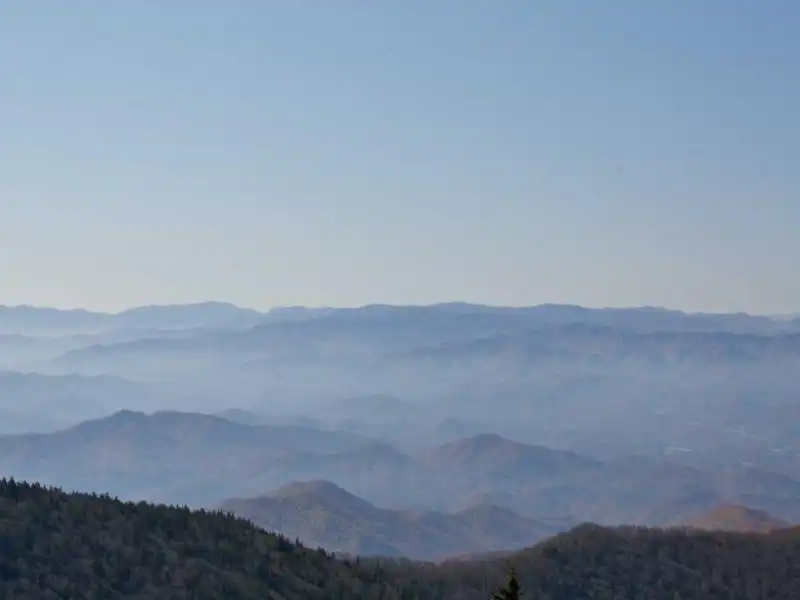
(133, 454)
(491, 455)
(736, 518)
(200, 460)
(73, 546)
(81, 546)
(597, 562)
(321, 513)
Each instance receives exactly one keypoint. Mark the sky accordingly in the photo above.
(301, 152)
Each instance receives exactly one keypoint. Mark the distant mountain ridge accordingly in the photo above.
(582, 341)
(154, 456)
(199, 460)
(434, 347)
(321, 513)
(28, 319)
(40, 320)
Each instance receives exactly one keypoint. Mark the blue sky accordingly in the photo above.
(348, 152)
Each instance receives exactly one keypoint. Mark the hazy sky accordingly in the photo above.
(338, 152)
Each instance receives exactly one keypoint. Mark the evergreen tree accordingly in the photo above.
(510, 591)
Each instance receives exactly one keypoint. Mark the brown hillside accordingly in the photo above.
(736, 518)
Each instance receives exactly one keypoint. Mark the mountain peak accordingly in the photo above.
(120, 417)
(490, 452)
(303, 496)
(485, 443)
(734, 517)
(321, 487)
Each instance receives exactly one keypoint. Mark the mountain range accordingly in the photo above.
(594, 387)
(435, 337)
(142, 456)
(51, 321)
(541, 416)
(321, 513)
(40, 320)
(201, 460)
(564, 375)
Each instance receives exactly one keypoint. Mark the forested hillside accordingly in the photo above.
(58, 545)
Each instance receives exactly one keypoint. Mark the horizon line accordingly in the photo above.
(197, 303)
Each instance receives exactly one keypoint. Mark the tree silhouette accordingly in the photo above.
(510, 591)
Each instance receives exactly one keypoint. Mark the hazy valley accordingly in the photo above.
(422, 431)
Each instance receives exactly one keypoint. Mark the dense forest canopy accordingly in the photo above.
(59, 545)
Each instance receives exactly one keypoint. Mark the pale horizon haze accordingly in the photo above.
(337, 153)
